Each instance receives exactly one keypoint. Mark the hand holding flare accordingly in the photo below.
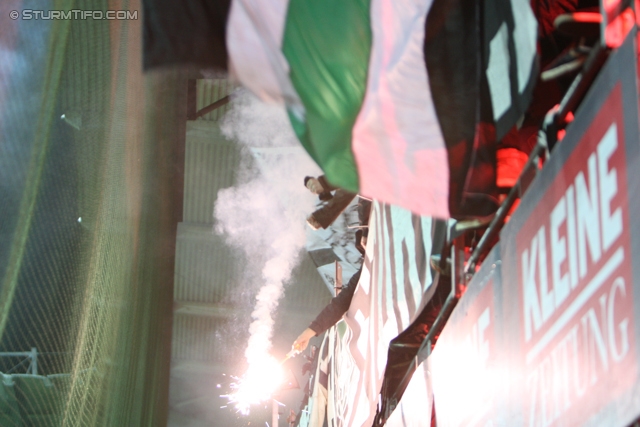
(301, 343)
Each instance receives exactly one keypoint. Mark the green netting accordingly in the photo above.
(91, 158)
(39, 401)
(9, 412)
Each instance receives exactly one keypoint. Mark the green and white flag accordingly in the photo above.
(353, 77)
(385, 95)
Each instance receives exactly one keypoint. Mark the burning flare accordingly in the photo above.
(257, 385)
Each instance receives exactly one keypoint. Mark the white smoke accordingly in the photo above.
(264, 215)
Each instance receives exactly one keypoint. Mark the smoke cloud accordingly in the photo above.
(264, 214)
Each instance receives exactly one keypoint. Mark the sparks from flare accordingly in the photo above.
(257, 385)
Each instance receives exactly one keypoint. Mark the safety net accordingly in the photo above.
(91, 158)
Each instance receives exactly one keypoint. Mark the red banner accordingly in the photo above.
(576, 283)
(560, 347)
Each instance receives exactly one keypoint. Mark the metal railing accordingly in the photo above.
(25, 356)
(462, 271)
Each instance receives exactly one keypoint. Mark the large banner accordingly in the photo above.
(555, 341)
(394, 286)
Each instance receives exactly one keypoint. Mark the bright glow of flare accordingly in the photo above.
(261, 380)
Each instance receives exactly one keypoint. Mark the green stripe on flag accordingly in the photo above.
(327, 44)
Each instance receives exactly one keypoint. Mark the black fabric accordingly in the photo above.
(185, 33)
(453, 56)
(456, 51)
(403, 350)
(338, 306)
(497, 13)
(451, 49)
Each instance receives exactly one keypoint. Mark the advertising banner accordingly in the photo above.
(548, 331)
(568, 254)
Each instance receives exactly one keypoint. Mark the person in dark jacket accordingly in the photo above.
(330, 315)
(335, 204)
